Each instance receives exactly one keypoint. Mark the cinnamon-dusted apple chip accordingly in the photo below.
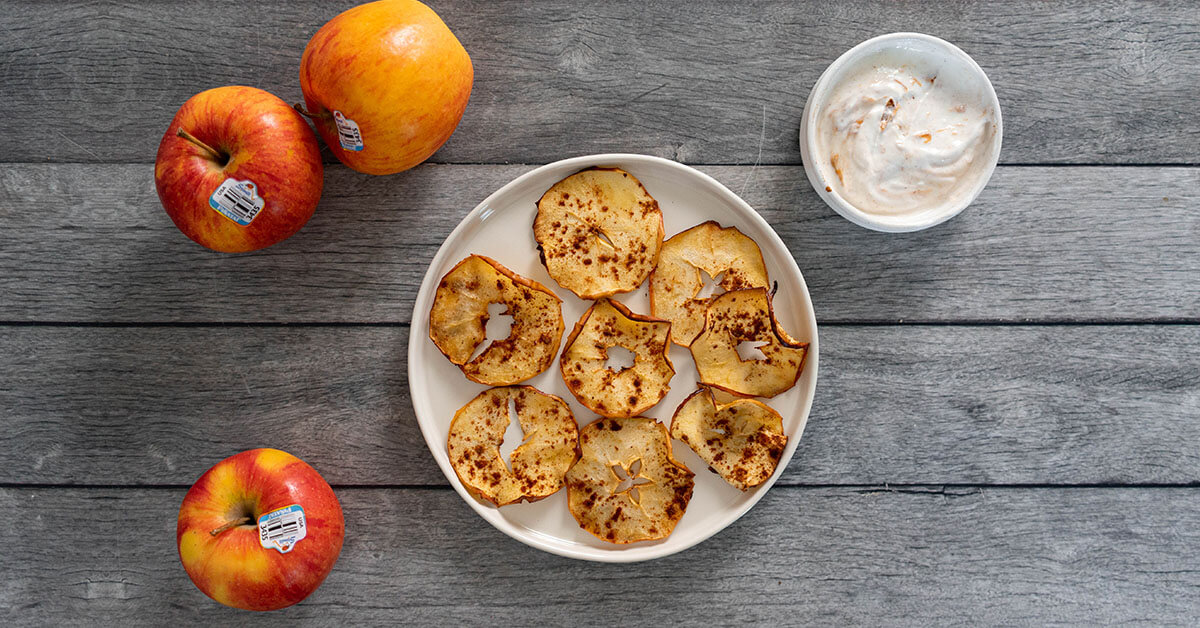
(626, 486)
(676, 283)
(741, 441)
(599, 232)
(549, 448)
(623, 392)
(458, 320)
(746, 316)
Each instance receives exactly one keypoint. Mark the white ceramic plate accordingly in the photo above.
(501, 228)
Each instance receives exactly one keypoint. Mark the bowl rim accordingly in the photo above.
(820, 93)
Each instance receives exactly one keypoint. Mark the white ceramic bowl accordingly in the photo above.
(500, 228)
(926, 46)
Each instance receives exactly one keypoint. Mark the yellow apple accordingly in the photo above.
(386, 84)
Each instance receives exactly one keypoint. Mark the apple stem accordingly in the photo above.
(232, 524)
(308, 114)
(193, 139)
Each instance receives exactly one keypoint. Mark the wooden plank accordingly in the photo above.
(907, 404)
(802, 556)
(701, 82)
(91, 243)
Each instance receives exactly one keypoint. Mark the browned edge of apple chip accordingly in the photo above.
(431, 337)
(518, 279)
(646, 318)
(631, 315)
(589, 169)
(562, 356)
(701, 388)
(778, 329)
(785, 339)
(726, 390)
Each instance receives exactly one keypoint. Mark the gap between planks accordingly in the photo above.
(949, 489)
(1000, 322)
(693, 164)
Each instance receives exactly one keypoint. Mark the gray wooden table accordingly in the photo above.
(1007, 421)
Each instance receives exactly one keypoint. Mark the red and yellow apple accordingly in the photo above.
(229, 539)
(261, 146)
(386, 84)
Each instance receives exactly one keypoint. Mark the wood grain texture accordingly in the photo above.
(801, 557)
(1048, 472)
(700, 82)
(91, 243)
(909, 405)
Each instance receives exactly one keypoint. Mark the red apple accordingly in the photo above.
(260, 530)
(386, 84)
(238, 169)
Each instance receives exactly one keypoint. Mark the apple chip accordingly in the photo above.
(723, 396)
(599, 232)
(627, 487)
(458, 320)
(676, 283)
(624, 392)
(549, 448)
(741, 441)
(745, 316)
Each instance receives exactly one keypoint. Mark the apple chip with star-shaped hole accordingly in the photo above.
(626, 486)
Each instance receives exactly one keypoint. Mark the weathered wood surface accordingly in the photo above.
(91, 243)
(1048, 472)
(829, 556)
(700, 82)
(895, 404)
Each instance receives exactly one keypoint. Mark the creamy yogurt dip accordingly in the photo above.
(902, 132)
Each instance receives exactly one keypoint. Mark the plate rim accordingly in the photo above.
(418, 332)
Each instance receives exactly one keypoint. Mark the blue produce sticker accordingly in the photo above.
(237, 200)
(281, 529)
